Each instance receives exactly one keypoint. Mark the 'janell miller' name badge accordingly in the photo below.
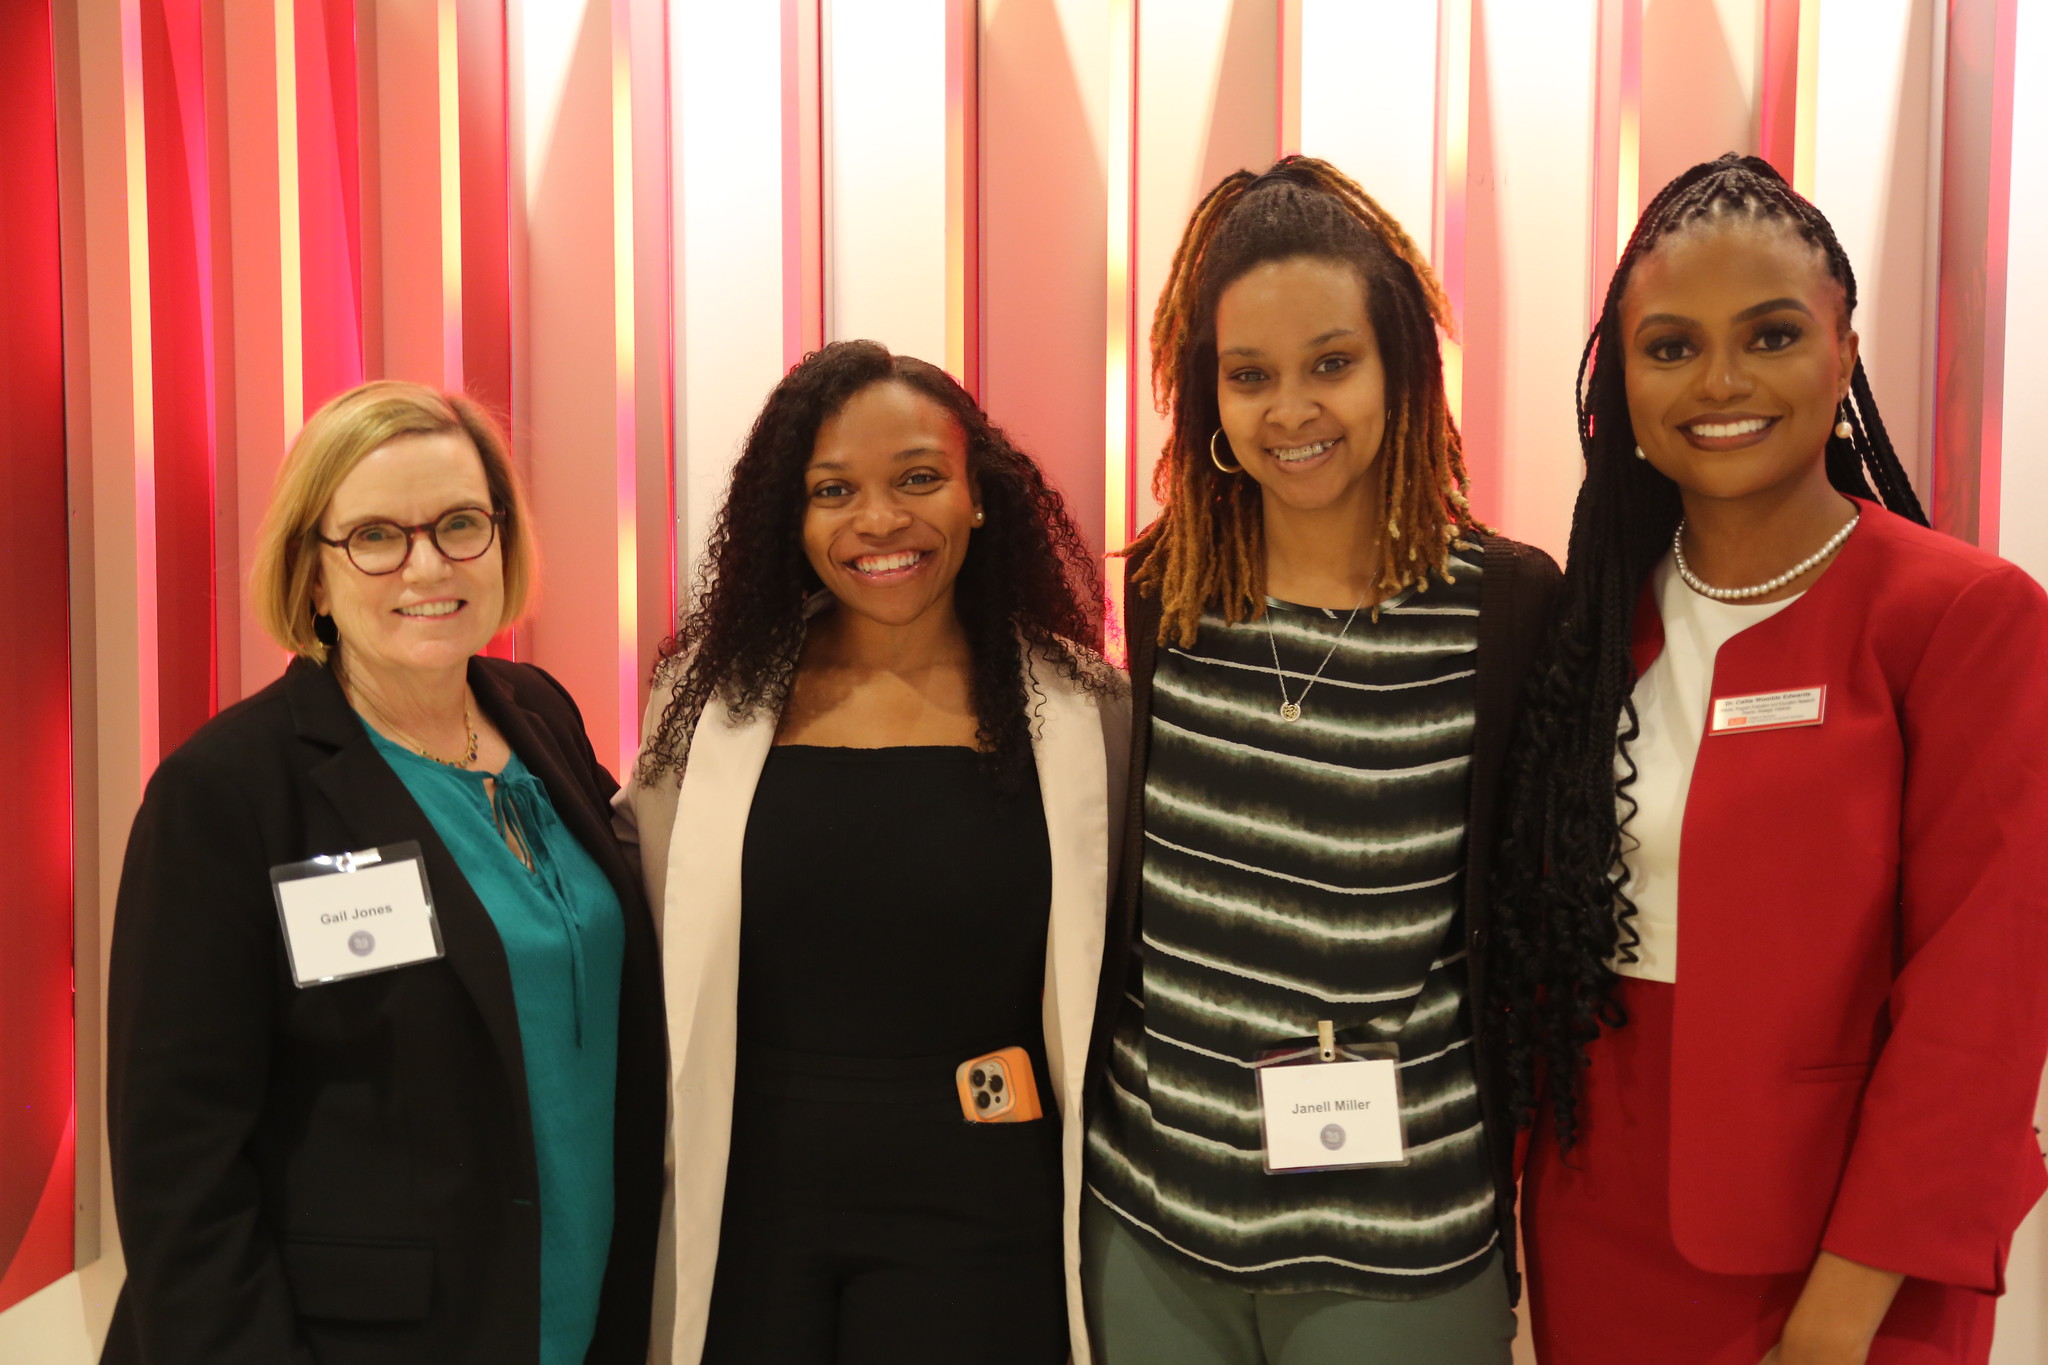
(1769, 710)
(348, 914)
(1333, 1109)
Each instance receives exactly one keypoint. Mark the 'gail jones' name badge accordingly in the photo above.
(1328, 1115)
(348, 914)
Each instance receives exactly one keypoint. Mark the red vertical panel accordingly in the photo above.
(486, 204)
(1777, 133)
(330, 199)
(181, 292)
(37, 1179)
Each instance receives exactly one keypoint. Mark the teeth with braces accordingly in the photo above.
(1295, 454)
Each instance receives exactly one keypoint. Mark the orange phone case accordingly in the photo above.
(998, 1087)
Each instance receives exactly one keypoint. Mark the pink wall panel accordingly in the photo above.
(36, 1169)
(1044, 200)
(1976, 189)
(486, 205)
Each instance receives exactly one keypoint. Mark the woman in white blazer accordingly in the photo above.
(875, 816)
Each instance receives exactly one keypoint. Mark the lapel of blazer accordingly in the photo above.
(700, 938)
(378, 810)
(1072, 783)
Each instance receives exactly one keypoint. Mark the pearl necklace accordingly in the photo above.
(1806, 565)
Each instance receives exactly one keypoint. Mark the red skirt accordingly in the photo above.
(1607, 1285)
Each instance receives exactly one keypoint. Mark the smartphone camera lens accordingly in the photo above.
(977, 1078)
(981, 1099)
(995, 1083)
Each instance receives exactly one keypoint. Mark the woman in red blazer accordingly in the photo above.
(1812, 878)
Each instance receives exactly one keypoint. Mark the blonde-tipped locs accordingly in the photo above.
(1207, 547)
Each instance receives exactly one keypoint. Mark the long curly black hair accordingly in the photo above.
(1561, 915)
(1028, 582)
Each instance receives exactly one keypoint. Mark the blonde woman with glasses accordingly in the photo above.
(385, 1055)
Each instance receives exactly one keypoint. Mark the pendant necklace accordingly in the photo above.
(1290, 708)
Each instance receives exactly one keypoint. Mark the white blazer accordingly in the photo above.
(690, 837)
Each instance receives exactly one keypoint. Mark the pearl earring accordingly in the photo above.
(1843, 429)
(1640, 455)
(977, 518)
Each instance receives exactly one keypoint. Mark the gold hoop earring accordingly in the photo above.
(1217, 460)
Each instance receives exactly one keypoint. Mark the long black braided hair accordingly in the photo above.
(1561, 915)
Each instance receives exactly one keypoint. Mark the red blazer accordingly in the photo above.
(1862, 1011)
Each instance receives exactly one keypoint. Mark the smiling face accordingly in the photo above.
(1300, 388)
(889, 505)
(1737, 357)
(432, 614)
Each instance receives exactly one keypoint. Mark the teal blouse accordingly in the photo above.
(564, 938)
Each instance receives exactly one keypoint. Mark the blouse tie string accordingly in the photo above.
(519, 800)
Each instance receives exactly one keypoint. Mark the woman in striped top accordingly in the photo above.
(1326, 648)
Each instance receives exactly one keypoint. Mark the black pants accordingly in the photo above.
(867, 1223)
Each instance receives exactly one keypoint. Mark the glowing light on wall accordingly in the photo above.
(1617, 141)
(1807, 106)
(1120, 176)
(292, 337)
(963, 194)
(1119, 381)
(1454, 141)
(625, 379)
(448, 110)
(140, 376)
(803, 188)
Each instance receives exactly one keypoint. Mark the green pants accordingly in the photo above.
(1144, 1309)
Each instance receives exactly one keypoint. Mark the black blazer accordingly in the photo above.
(1517, 591)
(345, 1173)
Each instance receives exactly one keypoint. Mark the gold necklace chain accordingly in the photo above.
(468, 759)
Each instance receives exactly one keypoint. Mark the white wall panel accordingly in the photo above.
(1208, 104)
(1528, 259)
(885, 173)
(726, 90)
(1877, 177)
(1368, 99)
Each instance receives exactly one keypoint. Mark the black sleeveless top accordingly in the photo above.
(894, 904)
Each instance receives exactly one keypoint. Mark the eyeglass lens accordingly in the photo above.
(381, 546)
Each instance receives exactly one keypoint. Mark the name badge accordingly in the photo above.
(1334, 1114)
(349, 914)
(1770, 710)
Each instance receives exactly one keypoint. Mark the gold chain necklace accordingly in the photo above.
(468, 759)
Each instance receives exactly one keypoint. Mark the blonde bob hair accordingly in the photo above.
(333, 442)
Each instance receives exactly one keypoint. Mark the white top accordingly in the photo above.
(1672, 698)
